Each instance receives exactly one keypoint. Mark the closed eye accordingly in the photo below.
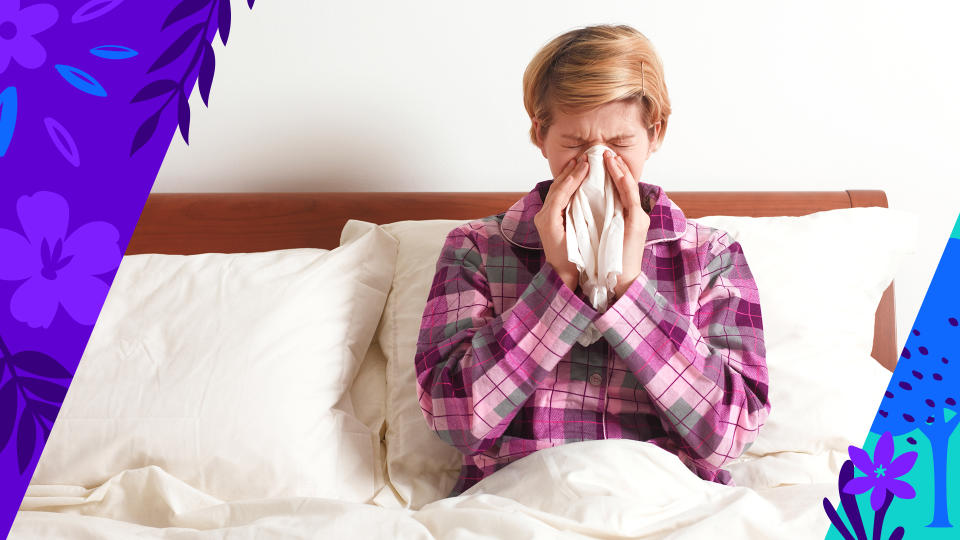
(617, 145)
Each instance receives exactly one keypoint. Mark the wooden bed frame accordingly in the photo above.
(190, 223)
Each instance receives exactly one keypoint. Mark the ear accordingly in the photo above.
(654, 143)
(536, 131)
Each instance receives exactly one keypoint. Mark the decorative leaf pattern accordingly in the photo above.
(8, 402)
(48, 405)
(26, 438)
(183, 10)
(177, 48)
(63, 141)
(155, 89)
(205, 78)
(113, 52)
(849, 503)
(81, 80)
(39, 363)
(8, 117)
(204, 53)
(223, 20)
(93, 9)
(145, 131)
(183, 117)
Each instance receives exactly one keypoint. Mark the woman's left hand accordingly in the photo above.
(636, 221)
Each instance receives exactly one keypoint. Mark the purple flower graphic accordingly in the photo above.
(17, 27)
(881, 472)
(58, 269)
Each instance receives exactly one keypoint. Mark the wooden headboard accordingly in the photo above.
(189, 223)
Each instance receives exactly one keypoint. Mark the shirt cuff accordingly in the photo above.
(563, 314)
(641, 322)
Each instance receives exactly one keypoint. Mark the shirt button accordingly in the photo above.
(596, 379)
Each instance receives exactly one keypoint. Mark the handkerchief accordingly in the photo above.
(594, 231)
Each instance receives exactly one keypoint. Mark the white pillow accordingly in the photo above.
(227, 371)
(838, 261)
(421, 467)
(820, 278)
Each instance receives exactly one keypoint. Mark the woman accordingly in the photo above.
(682, 359)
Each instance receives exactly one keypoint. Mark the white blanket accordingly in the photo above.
(595, 489)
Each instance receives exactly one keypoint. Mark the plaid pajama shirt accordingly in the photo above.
(681, 364)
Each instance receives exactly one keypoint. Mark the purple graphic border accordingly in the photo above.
(91, 94)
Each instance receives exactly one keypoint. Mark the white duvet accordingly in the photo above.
(595, 489)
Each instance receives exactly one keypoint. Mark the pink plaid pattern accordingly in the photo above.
(682, 363)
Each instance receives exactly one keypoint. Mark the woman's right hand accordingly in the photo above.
(550, 220)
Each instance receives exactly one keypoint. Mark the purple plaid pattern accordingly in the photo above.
(682, 363)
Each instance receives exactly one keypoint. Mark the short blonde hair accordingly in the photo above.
(585, 68)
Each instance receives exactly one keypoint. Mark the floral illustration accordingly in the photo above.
(218, 15)
(17, 28)
(58, 269)
(881, 476)
(922, 395)
(31, 371)
(881, 472)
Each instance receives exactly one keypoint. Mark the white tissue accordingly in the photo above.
(594, 232)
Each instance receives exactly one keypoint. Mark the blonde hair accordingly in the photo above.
(585, 68)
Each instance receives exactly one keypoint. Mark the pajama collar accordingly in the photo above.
(667, 221)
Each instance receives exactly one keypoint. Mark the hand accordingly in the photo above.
(550, 220)
(636, 221)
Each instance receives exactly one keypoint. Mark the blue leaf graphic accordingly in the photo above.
(8, 412)
(154, 89)
(849, 502)
(46, 430)
(183, 116)
(47, 410)
(93, 9)
(177, 48)
(145, 131)
(205, 77)
(62, 141)
(43, 388)
(8, 117)
(81, 80)
(39, 363)
(223, 20)
(183, 10)
(113, 52)
(26, 439)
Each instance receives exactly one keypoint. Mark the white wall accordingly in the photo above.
(426, 96)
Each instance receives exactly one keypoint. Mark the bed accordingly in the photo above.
(251, 375)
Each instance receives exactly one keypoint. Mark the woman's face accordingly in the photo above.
(618, 125)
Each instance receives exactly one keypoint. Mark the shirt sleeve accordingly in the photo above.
(476, 368)
(706, 375)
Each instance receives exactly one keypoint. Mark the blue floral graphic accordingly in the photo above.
(881, 472)
(17, 28)
(59, 269)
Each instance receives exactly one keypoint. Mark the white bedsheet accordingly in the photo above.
(596, 489)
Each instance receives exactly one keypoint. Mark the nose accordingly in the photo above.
(597, 148)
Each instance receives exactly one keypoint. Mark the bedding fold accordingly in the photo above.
(594, 489)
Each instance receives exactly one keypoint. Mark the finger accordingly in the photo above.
(559, 180)
(616, 174)
(569, 184)
(623, 180)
